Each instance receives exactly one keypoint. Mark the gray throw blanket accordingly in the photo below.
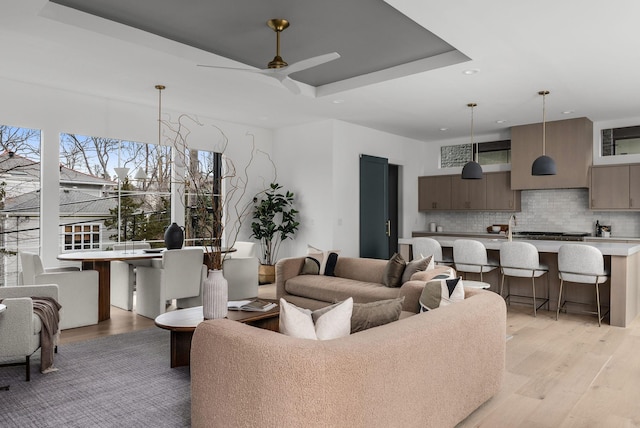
(47, 309)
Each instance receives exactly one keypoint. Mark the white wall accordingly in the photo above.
(56, 111)
(323, 161)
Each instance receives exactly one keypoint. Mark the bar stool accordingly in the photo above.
(425, 247)
(582, 264)
(521, 259)
(471, 256)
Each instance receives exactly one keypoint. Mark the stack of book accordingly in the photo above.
(255, 305)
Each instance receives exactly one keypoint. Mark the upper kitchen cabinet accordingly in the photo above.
(434, 193)
(500, 197)
(568, 142)
(468, 194)
(615, 187)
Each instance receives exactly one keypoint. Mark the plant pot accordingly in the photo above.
(215, 292)
(267, 274)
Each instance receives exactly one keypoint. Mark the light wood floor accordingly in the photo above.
(566, 373)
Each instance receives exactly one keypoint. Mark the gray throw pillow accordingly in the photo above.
(393, 271)
(311, 267)
(373, 314)
(415, 266)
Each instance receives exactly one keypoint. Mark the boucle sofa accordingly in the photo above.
(359, 278)
(428, 370)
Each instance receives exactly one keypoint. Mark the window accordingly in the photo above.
(621, 141)
(203, 196)
(133, 206)
(82, 236)
(19, 197)
(489, 153)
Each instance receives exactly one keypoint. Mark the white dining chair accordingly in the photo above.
(521, 259)
(123, 275)
(581, 264)
(180, 277)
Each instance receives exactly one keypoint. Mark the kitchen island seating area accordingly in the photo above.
(622, 260)
(471, 256)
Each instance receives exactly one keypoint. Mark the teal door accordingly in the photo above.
(374, 207)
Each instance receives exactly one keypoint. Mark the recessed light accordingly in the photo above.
(471, 71)
(568, 112)
(338, 101)
(444, 129)
(500, 121)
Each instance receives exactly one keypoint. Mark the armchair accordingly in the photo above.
(179, 277)
(19, 326)
(77, 290)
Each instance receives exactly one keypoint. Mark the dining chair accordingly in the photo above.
(241, 274)
(123, 275)
(581, 264)
(521, 259)
(77, 290)
(243, 249)
(180, 277)
(425, 247)
(470, 256)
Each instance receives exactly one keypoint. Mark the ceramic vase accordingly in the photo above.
(174, 237)
(215, 292)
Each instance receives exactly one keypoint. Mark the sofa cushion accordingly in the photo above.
(324, 324)
(441, 292)
(393, 271)
(322, 256)
(334, 289)
(373, 314)
(414, 266)
(330, 266)
(311, 266)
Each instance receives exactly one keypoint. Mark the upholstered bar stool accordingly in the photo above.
(471, 256)
(425, 247)
(521, 259)
(581, 264)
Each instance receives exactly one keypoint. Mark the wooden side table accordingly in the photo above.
(183, 322)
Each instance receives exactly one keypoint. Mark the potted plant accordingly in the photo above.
(274, 221)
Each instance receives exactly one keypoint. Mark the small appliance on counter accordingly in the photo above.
(602, 231)
(497, 228)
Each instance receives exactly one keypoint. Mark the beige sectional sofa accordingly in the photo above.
(428, 370)
(359, 278)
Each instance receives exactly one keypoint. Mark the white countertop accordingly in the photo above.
(607, 248)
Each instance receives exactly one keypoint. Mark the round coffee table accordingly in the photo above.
(183, 322)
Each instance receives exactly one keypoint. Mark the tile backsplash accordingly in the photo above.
(555, 210)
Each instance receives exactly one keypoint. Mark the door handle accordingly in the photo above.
(388, 227)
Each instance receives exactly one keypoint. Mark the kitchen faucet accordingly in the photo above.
(509, 227)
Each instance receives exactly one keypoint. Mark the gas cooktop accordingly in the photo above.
(557, 236)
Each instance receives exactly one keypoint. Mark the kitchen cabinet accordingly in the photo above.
(434, 193)
(500, 197)
(615, 187)
(568, 142)
(468, 194)
(450, 192)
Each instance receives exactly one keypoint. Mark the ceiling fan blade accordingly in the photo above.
(230, 68)
(291, 85)
(309, 63)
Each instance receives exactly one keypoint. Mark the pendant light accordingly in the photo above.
(544, 165)
(472, 169)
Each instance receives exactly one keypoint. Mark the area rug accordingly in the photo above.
(115, 381)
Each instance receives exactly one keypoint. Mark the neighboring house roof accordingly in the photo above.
(18, 167)
(72, 202)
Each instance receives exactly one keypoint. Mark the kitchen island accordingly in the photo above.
(622, 259)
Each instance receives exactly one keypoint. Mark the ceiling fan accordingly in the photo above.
(278, 68)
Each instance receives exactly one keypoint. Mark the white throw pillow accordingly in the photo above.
(331, 324)
(321, 256)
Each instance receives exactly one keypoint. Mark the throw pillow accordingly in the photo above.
(330, 267)
(432, 262)
(373, 314)
(322, 256)
(393, 271)
(310, 267)
(330, 323)
(415, 266)
(441, 292)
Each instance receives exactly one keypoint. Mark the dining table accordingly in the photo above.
(100, 261)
